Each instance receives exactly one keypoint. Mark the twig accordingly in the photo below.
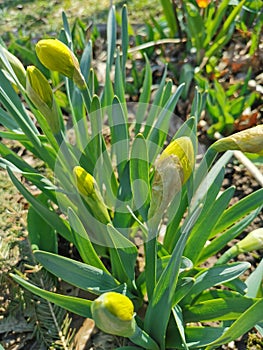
(156, 43)
(250, 166)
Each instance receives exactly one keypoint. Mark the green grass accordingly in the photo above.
(36, 18)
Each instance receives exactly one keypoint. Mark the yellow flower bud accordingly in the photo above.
(173, 169)
(37, 81)
(56, 56)
(113, 313)
(40, 93)
(17, 66)
(249, 140)
(182, 152)
(85, 182)
(253, 241)
(88, 188)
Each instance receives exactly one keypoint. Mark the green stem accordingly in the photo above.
(228, 255)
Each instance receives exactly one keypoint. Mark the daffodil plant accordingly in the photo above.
(117, 181)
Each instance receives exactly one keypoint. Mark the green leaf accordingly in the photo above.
(238, 211)
(222, 36)
(13, 161)
(8, 122)
(205, 198)
(155, 106)
(111, 36)
(168, 11)
(76, 305)
(123, 255)
(195, 25)
(78, 274)
(204, 178)
(206, 222)
(119, 135)
(139, 175)
(83, 243)
(124, 40)
(221, 241)
(67, 29)
(178, 317)
(160, 304)
(144, 97)
(218, 309)
(11, 101)
(214, 276)
(119, 88)
(60, 225)
(41, 234)
(214, 23)
(159, 131)
(247, 320)
(86, 59)
(254, 282)
(196, 337)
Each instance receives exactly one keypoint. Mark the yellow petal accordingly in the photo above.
(113, 313)
(119, 305)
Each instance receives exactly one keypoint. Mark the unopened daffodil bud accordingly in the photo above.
(37, 81)
(16, 65)
(253, 241)
(88, 188)
(57, 56)
(40, 93)
(203, 3)
(249, 140)
(181, 151)
(172, 170)
(85, 181)
(113, 313)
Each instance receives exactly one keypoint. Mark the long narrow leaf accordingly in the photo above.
(123, 255)
(239, 210)
(111, 36)
(76, 305)
(78, 274)
(218, 309)
(144, 97)
(222, 240)
(159, 132)
(124, 40)
(247, 320)
(214, 276)
(161, 302)
(51, 217)
(83, 243)
(139, 173)
(202, 229)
